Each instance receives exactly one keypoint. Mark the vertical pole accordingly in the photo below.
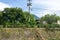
(29, 7)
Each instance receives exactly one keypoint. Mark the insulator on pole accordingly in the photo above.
(29, 0)
(29, 4)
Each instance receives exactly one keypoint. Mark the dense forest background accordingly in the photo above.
(16, 18)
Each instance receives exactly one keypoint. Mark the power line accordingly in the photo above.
(33, 9)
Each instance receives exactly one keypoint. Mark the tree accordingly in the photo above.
(16, 16)
(50, 18)
(0, 17)
(12, 16)
(29, 18)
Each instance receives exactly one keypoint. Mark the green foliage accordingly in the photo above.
(15, 17)
(50, 21)
(0, 18)
(50, 18)
(29, 18)
(11, 15)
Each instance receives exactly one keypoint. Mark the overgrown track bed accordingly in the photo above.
(29, 34)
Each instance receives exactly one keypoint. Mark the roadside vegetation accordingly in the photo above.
(17, 18)
(16, 24)
(28, 34)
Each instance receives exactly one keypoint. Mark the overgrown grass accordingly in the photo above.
(28, 34)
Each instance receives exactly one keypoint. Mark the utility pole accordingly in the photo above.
(29, 4)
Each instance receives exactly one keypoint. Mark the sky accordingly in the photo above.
(38, 8)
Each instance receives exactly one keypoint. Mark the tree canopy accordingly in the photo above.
(49, 21)
(50, 18)
(16, 16)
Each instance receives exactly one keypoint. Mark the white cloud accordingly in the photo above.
(42, 13)
(3, 5)
(50, 5)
